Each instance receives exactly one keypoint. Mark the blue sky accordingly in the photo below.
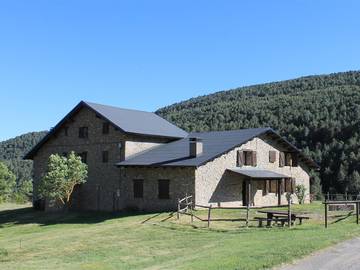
(148, 54)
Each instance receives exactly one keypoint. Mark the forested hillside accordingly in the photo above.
(12, 151)
(319, 114)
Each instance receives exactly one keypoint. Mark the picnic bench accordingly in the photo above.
(279, 216)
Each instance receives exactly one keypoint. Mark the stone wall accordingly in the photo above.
(103, 184)
(214, 185)
(181, 183)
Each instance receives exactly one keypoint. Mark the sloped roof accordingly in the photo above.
(129, 121)
(138, 122)
(215, 144)
(258, 173)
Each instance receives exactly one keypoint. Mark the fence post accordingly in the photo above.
(247, 215)
(326, 217)
(192, 214)
(178, 210)
(357, 212)
(209, 213)
(289, 212)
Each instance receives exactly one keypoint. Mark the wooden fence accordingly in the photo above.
(186, 206)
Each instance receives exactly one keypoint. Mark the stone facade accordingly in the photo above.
(182, 181)
(215, 185)
(109, 188)
(101, 191)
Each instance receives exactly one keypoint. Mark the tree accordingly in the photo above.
(63, 174)
(7, 182)
(300, 193)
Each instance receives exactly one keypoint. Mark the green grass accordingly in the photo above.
(37, 240)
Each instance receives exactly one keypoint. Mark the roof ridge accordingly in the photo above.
(116, 107)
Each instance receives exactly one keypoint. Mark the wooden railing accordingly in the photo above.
(186, 206)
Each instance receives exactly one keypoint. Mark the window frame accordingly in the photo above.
(161, 195)
(138, 188)
(84, 157)
(83, 132)
(105, 128)
(105, 156)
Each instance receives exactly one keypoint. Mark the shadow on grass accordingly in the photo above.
(30, 216)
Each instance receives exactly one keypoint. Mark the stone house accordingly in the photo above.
(137, 160)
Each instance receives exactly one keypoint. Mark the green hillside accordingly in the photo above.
(319, 114)
(13, 150)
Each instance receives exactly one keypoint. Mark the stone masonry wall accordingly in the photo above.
(214, 185)
(181, 183)
(101, 190)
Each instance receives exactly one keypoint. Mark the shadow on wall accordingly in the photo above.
(229, 189)
(30, 216)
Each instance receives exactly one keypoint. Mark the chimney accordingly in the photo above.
(195, 147)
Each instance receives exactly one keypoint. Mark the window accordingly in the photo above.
(272, 156)
(138, 185)
(246, 157)
(287, 185)
(83, 156)
(273, 186)
(105, 156)
(266, 187)
(164, 189)
(288, 159)
(83, 132)
(66, 131)
(105, 128)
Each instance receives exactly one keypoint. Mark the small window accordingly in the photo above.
(288, 159)
(105, 156)
(288, 183)
(164, 189)
(138, 185)
(272, 156)
(248, 158)
(105, 128)
(83, 132)
(273, 186)
(66, 131)
(83, 156)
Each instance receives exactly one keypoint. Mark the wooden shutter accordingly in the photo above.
(282, 186)
(282, 159)
(267, 187)
(293, 183)
(240, 158)
(288, 159)
(272, 156)
(253, 158)
(295, 159)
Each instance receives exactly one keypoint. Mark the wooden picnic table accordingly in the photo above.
(273, 215)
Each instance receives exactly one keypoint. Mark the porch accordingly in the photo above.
(263, 187)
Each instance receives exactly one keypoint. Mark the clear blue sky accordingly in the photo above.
(148, 54)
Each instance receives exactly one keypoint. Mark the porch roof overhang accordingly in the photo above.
(259, 173)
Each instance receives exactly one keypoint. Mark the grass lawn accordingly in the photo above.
(37, 240)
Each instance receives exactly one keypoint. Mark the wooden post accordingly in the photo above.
(326, 215)
(178, 211)
(357, 212)
(191, 212)
(289, 212)
(186, 202)
(248, 201)
(209, 216)
(279, 191)
(247, 215)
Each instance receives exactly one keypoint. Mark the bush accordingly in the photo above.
(300, 193)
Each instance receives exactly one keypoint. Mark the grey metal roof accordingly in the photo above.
(177, 153)
(138, 122)
(129, 121)
(258, 173)
(215, 144)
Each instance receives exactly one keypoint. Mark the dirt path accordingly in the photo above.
(345, 255)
